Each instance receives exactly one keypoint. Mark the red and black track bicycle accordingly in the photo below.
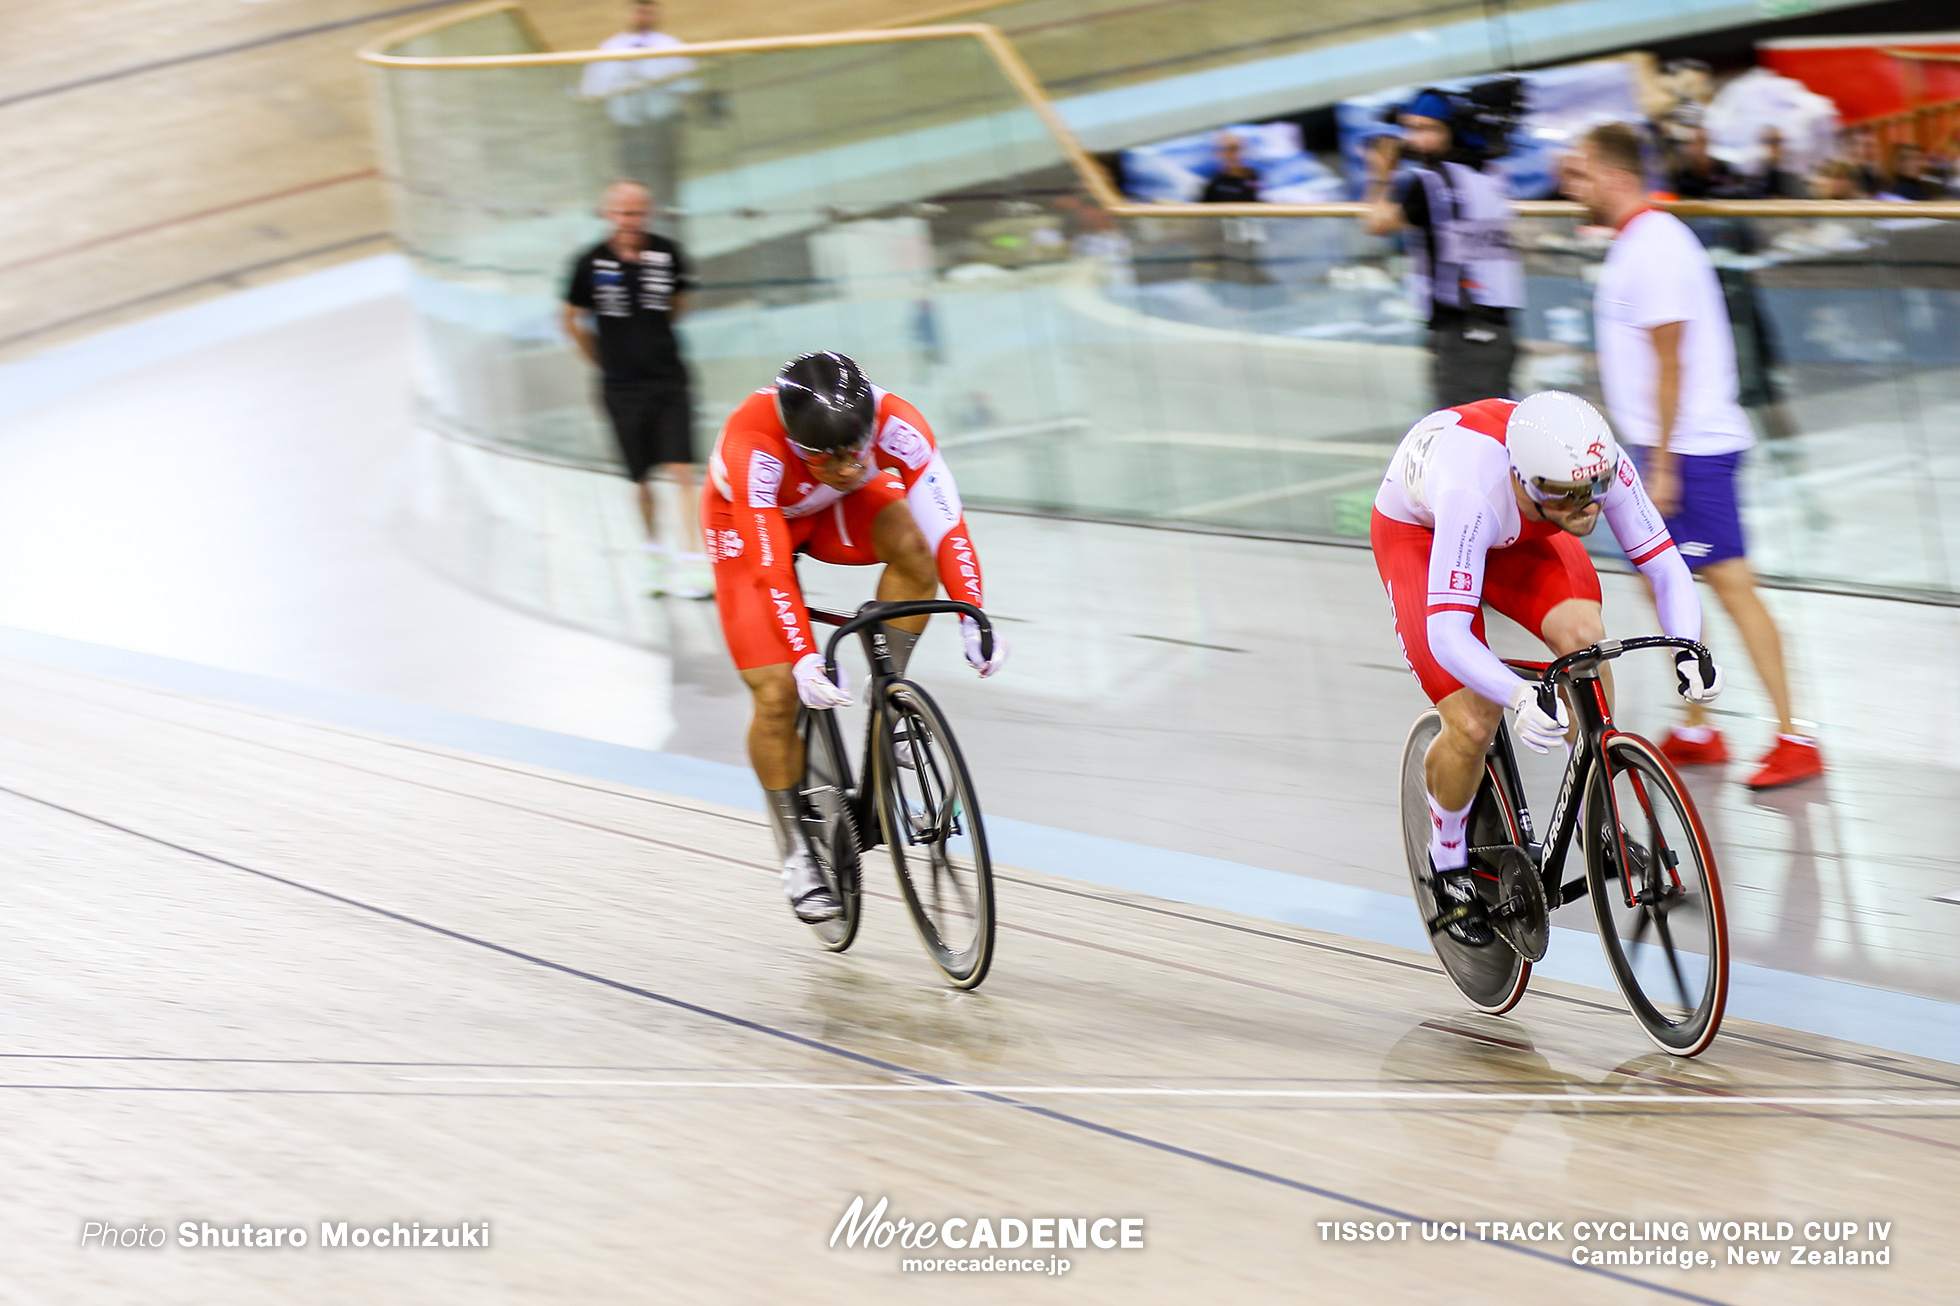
(1649, 869)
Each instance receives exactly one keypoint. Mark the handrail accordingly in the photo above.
(1095, 180)
(451, 17)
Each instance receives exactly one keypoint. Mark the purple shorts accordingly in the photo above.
(1707, 527)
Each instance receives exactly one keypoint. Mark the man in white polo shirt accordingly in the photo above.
(1667, 365)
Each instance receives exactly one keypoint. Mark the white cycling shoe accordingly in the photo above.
(809, 897)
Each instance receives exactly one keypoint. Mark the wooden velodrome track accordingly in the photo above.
(266, 971)
(161, 151)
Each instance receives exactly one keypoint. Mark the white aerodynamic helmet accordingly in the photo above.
(1561, 447)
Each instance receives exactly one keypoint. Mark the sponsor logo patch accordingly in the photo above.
(906, 443)
(765, 479)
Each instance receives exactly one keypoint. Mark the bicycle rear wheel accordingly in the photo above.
(1491, 978)
(1657, 898)
(931, 823)
(829, 831)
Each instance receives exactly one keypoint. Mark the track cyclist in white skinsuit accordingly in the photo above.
(1486, 503)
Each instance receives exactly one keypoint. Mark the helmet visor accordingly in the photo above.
(843, 456)
(1576, 494)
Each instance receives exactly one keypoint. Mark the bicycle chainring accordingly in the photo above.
(1521, 916)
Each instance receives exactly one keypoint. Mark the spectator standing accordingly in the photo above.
(1464, 275)
(1667, 365)
(644, 98)
(1864, 162)
(1777, 181)
(1699, 175)
(1908, 180)
(1236, 182)
(620, 307)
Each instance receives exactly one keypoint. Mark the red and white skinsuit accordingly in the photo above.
(761, 507)
(1449, 538)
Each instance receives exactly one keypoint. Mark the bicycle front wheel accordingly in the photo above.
(1655, 893)
(931, 823)
(1492, 978)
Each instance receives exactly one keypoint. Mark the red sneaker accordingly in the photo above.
(1789, 761)
(1683, 751)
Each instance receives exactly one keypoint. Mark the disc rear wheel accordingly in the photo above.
(1492, 978)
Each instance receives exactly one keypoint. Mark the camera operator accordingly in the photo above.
(1464, 276)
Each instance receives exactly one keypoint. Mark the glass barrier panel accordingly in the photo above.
(900, 202)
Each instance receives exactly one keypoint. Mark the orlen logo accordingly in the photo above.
(765, 479)
(1596, 456)
(1460, 580)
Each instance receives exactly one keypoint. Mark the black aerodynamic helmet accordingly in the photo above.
(825, 402)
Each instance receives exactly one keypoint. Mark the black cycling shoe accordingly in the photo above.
(1461, 907)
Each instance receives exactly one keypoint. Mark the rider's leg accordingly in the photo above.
(1452, 767)
(909, 575)
(1570, 626)
(1455, 762)
(776, 752)
(775, 749)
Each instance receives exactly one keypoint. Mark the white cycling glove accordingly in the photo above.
(815, 688)
(985, 666)
(1687, 672)
(1539, 731)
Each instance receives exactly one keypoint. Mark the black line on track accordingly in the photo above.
(218, 51)
(633, 794)
(847, 1054)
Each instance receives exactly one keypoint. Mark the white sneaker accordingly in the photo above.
(691, 577)
(809, 897)
(659, 571)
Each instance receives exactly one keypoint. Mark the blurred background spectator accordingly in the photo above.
(1699, 175)
(645, 98)
(1777, 181)
(1907, 179)
(1235, 182)
(1464, 275)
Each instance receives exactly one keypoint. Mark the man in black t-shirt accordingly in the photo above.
(1235, 182)
(624, 297)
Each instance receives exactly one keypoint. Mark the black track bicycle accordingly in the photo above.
(913, 794)
(1649, 869)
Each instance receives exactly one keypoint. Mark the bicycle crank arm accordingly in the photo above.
(1451, 917)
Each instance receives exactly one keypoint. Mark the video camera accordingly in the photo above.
(1481, 116)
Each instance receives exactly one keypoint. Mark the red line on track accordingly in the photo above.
(114, 236)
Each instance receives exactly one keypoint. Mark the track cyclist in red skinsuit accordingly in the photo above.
(825, 463)
(1485, 503)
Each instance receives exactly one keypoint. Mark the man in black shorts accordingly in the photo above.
(625, 295)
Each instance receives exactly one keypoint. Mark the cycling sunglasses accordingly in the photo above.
(1576, 494)
(851, 453)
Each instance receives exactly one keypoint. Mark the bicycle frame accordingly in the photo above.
(1586, 692)
(867, 623)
